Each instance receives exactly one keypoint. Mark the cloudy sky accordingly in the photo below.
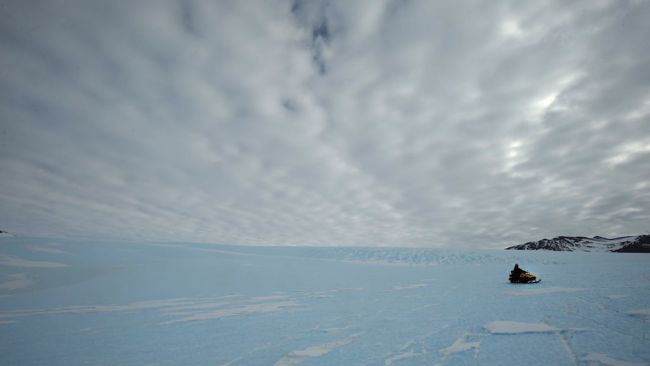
(402, 123)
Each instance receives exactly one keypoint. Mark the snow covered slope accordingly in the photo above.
(101, 303)
(584, 244)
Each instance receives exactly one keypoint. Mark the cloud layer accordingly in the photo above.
(410, 123)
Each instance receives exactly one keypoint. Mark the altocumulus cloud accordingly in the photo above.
(404, 123)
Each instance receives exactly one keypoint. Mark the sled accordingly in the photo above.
(527, 283)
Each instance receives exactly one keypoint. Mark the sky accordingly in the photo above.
(464, 124)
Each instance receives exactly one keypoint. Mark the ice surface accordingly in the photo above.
(509, 327)
(190, 304)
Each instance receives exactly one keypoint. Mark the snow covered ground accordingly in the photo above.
(82, 303)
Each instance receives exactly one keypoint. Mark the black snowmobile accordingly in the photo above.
(518, 275)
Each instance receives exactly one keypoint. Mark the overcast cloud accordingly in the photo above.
(401, 123)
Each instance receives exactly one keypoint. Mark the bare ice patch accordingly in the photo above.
(410, 286)
(460, 345)
(509, 327)
(603, 359)
(48, 250)
(407, 351)
(16, 281)
(330, 293)
(297, 357)
(641, 313)
(331, 329)
(262, 308)
(268, 298)
(402, 356)
(6, 260)
(544, 291)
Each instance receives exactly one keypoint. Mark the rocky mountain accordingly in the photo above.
(630, 244)
(640, 245)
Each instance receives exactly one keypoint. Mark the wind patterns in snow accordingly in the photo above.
(180, 309)
(6, 260)
(16, 281)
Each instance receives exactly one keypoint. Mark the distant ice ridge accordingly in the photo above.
(394, 256)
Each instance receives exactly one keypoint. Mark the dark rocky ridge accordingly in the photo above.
(640, 245)
(628, 244)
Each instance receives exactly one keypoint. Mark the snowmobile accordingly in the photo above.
(518, 275)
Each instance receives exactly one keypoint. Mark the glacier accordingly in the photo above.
(84, 302)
